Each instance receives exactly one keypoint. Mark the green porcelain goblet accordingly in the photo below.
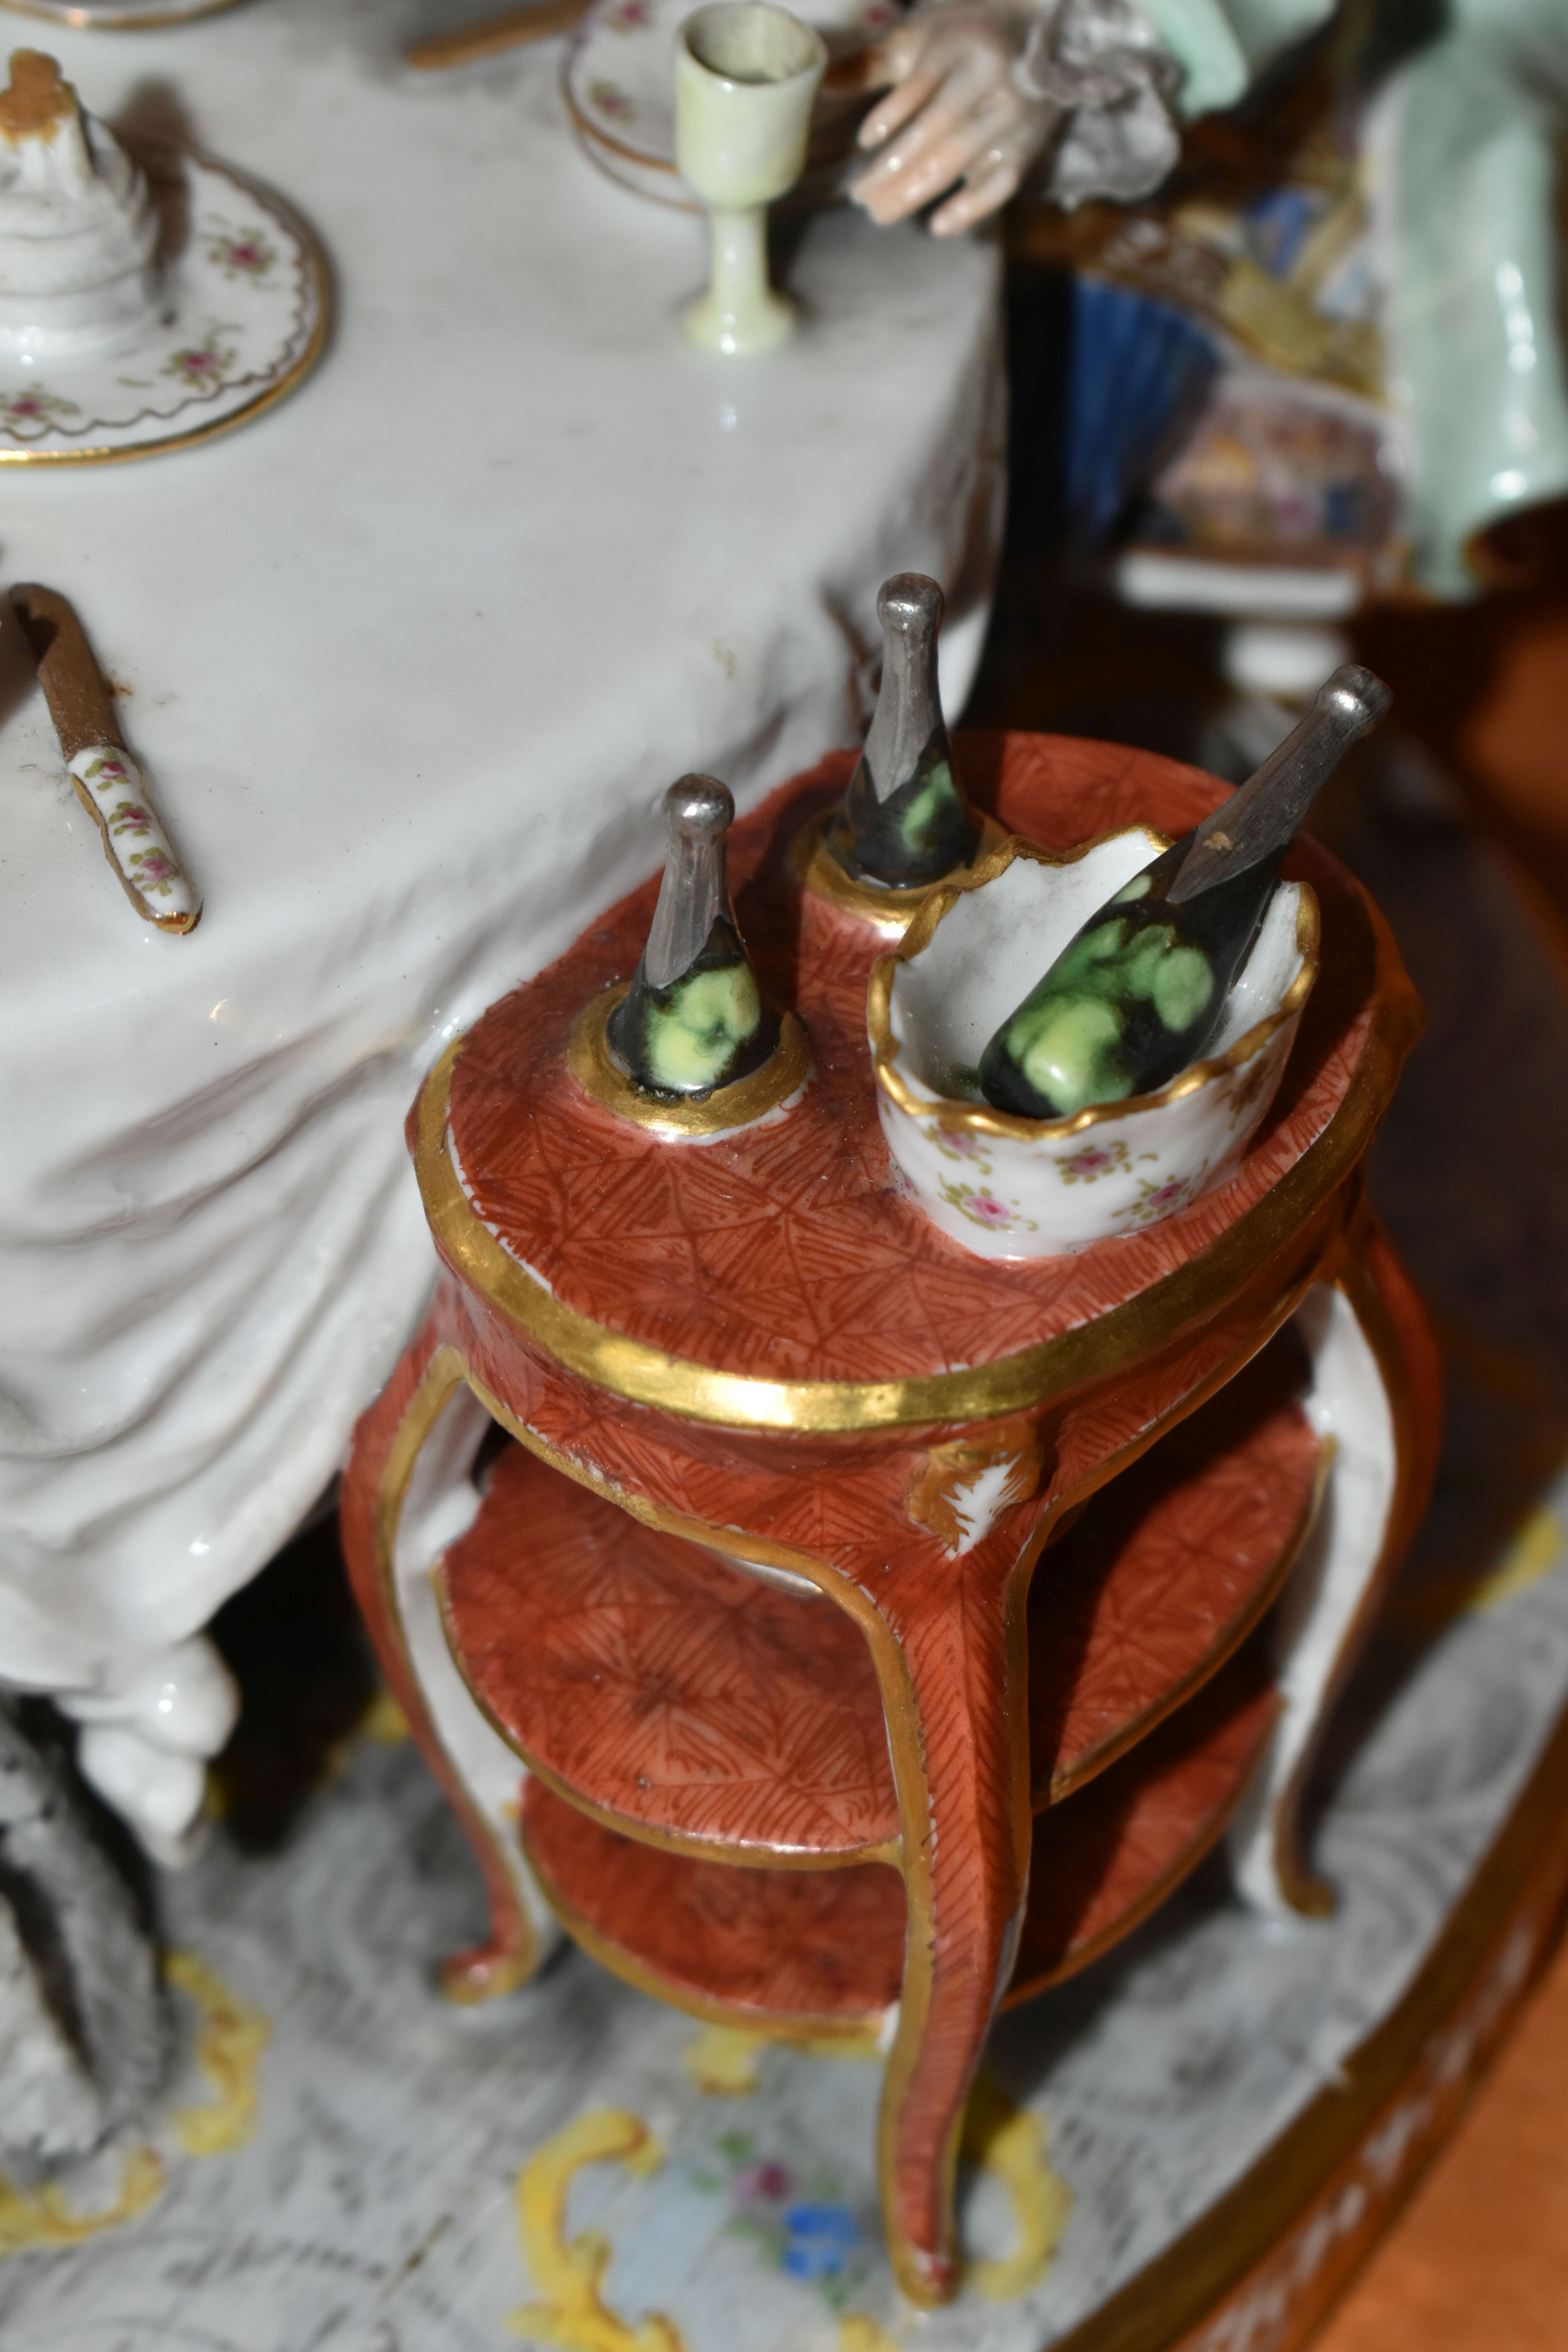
(746, 74)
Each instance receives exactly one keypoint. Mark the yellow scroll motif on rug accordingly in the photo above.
(858, 2333)
(229, 2044)
(1533, 1553)
(42, 2217)
(725, 2060)
(1010, 2142)
(570, 2272)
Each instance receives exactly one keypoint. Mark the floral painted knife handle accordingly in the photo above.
(107, 780)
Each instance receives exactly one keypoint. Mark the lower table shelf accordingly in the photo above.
(820, 1952)
(679, 1699)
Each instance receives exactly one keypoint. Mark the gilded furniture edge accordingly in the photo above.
(980, 1119)
(1099, 1759)
(1096, 1349)
(780, 2025)
(890, 911)
(719, 1112)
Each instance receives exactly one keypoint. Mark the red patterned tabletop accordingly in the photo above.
(787, 1251)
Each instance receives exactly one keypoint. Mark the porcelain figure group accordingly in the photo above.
(781, 1055)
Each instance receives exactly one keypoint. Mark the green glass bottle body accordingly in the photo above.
(1140, 989)
(706, 1029)
(903, 821)
(693, 1019)
(1133, 998)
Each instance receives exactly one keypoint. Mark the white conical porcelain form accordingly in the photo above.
(79, 236)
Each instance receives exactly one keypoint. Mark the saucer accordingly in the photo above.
(116, 16)
(618, 84)
(248, 287)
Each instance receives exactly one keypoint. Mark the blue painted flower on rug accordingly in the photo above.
(801, 2227)
(820, 2241)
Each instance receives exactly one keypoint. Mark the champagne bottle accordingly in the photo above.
(1140, 989)
(693, 1018)
(904, 820)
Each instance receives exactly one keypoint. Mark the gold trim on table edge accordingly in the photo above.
(449, 1367)
(689, 1845)
(270, 394)
(723, 1111)
(890, 911)
(1179, 1867)
(777, 2025)
(644, 1374)
(1214, 1660)
(980, 1119)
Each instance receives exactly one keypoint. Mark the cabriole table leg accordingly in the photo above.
(952, 1681)
(1377, 1394)
(408, 1494)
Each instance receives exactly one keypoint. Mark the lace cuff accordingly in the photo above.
(1100, 64)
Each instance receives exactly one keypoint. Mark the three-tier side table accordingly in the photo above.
(851, 1635)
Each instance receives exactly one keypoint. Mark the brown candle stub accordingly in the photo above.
(105, 778)
(492, 34)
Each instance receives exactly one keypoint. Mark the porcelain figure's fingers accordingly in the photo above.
(942, 149)
(967, 57)
(939, 124)
(906, 98)
(977, 200)
(894, 59)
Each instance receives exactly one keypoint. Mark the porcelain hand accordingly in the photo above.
(954, 119)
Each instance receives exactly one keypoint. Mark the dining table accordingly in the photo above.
(407, 661)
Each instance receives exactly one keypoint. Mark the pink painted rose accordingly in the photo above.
(769, 2182)
(987, 1210)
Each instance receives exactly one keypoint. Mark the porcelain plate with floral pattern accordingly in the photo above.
(245, 320)
(118, 16)
(619, 82)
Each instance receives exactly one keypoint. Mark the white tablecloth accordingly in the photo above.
(411, 659)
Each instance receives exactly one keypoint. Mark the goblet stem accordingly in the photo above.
(741, 313)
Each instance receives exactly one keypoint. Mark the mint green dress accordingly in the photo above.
(1462, 142)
